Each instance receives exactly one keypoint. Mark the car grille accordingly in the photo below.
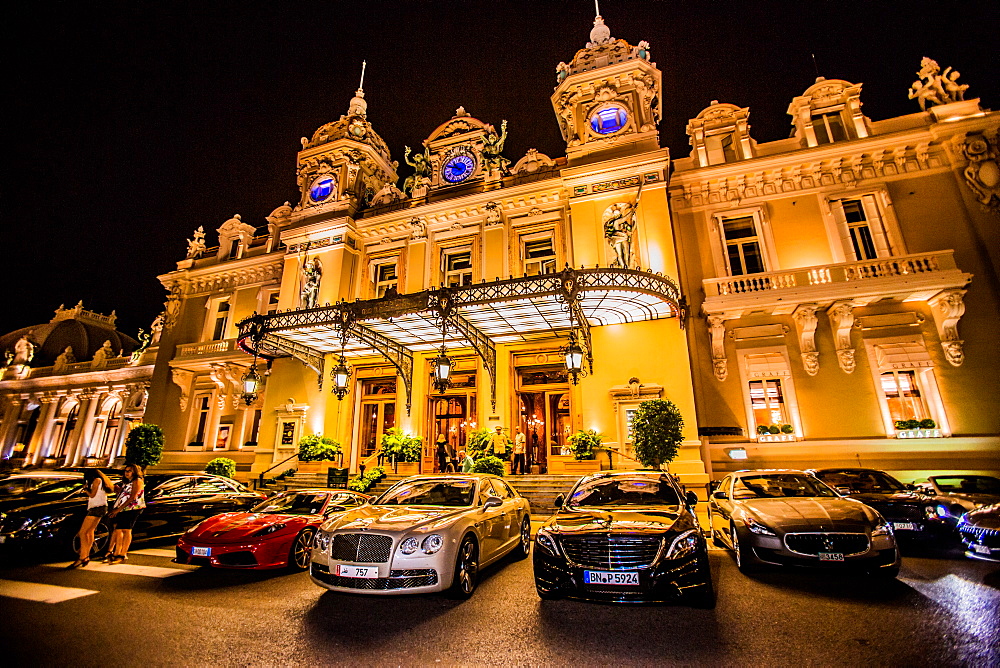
(814, 543)
(237, 559)
(361, 548)
(899, 511)
(398, 579)
(987, 537)
(612, 552)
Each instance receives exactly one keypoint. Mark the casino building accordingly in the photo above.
(830, 298)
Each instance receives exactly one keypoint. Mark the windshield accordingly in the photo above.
(17, 486)
(862, 482)
(293, 503)
(624, 491)
(439, 492)
(968, 484)
(778, 485)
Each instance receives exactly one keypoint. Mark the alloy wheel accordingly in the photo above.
(525, 547)
(468, 567)
(302, 550)
(736, 546)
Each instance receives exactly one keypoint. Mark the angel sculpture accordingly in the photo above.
(421, 164)
(492, 147)
(619, 226)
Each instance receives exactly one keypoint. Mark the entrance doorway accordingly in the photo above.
(544, 412)
(453, 414)
(378, 413)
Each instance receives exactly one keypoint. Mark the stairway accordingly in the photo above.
(541, 490)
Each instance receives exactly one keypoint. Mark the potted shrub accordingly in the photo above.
(402, 450)
(479, 441)
(656, 429)
(763, 429)
(144, 445)
(317, 453)
(489, 464)
(365, 481)
(583, 444)
(223, 466)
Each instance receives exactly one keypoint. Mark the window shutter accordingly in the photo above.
(874, 217)
(837, 206)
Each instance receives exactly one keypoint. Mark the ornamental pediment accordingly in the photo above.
(460, 124)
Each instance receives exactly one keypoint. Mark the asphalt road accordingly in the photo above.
(944, 610)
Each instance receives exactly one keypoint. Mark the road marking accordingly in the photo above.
(129, 569)
(155, 552)
(43, 593)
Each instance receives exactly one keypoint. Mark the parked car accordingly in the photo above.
(912, 513)
(980, 533)
(21, 490)
(424, 534)
(955, 495)
(624, 536)
(275, 533)
(173, 505)
(19, 484)
(790, 518)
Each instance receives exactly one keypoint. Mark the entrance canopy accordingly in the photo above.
(477, 316)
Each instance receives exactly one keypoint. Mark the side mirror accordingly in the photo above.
(843, 490)
(719, 494)
(691, 498)
(559, 500)
(492, 502)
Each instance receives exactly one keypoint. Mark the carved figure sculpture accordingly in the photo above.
(103, 354)
(935, 87)
(982, 174)
(144, 340)
(562, 71)
(157, 328)
(197, 245)
(312, 274)
(421, 164)
(66, 357)
(619, 226)
(492, 147)
(24, 351)
(388, 194)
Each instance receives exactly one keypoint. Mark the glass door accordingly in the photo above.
(543, 402)
(378, 413)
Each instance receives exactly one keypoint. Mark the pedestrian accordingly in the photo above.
(96, 485)
(520, 449)
(442, 453)
(128, 506)
(467, 461)
(498, 443)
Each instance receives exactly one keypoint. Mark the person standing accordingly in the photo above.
(128, 506)
(96, 485)
(498, 443)
(467, 462)
(442, 453)
(520, 449)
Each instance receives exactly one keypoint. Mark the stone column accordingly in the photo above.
(84, 425)
(42, 429)
(11, 416)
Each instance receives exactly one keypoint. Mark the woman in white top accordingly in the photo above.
(97, 485)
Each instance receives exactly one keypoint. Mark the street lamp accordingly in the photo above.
(251, 383)
(573, 356)
(341, 377)
(442, 371)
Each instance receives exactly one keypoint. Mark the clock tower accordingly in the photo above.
(608, 99)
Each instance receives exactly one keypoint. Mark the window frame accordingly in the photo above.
(194, 424)
(450, 251)
(212, 321)
(881, 221)
(789, 395)
(924, 377)
(765, 240)
(525, 239)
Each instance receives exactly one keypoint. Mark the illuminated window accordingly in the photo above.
(743, 247)
(767, 401)
(203, 407)
(272, 303)
(539, 257)
(902, 394)
(829, 127)
(221, 320)
(385, 278)
(457, 268)
(861, 228)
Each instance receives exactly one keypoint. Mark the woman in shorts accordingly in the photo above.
(96, 485)
(128, 506)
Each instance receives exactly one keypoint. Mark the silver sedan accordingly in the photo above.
(424, 534)
(788, 517)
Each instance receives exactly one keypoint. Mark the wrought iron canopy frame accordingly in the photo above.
(478, 316)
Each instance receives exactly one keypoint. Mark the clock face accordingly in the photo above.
(608, 120)
(321, 189)
(458, 168)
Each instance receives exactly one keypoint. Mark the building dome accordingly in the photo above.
(85, 330)
(354, 127)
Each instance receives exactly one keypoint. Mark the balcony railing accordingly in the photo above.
(77, 367)
(890, 267)
(206, 348)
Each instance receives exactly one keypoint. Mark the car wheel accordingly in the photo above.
(102, 534)
(301, 552)
(466, 569)
(745, 561)
(523, 548)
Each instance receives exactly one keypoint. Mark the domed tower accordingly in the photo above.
(607, 99)
(344, 164)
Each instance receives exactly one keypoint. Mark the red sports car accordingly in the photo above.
(276, 533)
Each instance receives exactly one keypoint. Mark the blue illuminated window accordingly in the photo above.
(608, 119)
(321, 189)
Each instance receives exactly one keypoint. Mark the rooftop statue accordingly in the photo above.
(66, 357)
(935, 87)
(197, 245)
(421, 164)
(24, 351)
(619, 227)
(103, 354)
(493, 147)
(387, 194)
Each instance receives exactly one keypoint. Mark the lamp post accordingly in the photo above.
(573, 358)
(442, 371)
(251, 383)
(341, 377)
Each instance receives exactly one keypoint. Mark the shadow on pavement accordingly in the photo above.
(207, 578)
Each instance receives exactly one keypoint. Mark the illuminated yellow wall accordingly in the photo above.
(799, 233)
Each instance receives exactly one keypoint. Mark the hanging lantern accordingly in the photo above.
(341, 377)
(251, 384)
(442, 371)
(573, 354)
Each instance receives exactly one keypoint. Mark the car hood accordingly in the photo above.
(887, 498)
(236, 526)
(976, 500)
(72, 505)
(589, 520)
(393, 518)
(984, 518)
(809, 514)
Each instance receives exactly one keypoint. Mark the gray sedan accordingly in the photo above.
(788, 517)
(424, 534)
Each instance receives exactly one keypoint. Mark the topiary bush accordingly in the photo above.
(787, 429)
(223, 466)
(656, 428)
(928, 423)
(144, 445)
(319, 448)
(584, 443)
(490, 464)
(404, 448)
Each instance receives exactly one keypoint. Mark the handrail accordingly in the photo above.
(621, 452)
(260, 479)
(368, 461)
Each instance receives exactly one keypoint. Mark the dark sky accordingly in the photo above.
(129, 124)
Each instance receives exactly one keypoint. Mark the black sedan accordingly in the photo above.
(629, 536)
(912, 513)
(27, 489)
(980, 533)
(173, 505)
(955, 495)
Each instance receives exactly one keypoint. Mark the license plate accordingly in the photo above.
(201, 551)
(981, 549)
(904, 526)
(357, 571)
(611, 578)
(831, 556)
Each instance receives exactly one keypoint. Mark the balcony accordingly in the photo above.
(207, 349)
(915, 277)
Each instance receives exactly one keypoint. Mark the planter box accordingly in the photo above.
(568, 465)
(919, 433)
(406, 468)
(776, 438)
(316, 467)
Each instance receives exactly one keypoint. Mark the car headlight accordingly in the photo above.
(931, 512)
(757, 528)
(270, 529)
(409, 545)
(684, 545)
(432, 543)
(322, 541)
(942, 511)
(547, 542)
(43, 523)
(882, 528)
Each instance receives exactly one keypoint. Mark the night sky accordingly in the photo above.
(129, 124)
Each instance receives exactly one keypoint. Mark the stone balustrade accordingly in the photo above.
(78, 367)
(206, 348)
